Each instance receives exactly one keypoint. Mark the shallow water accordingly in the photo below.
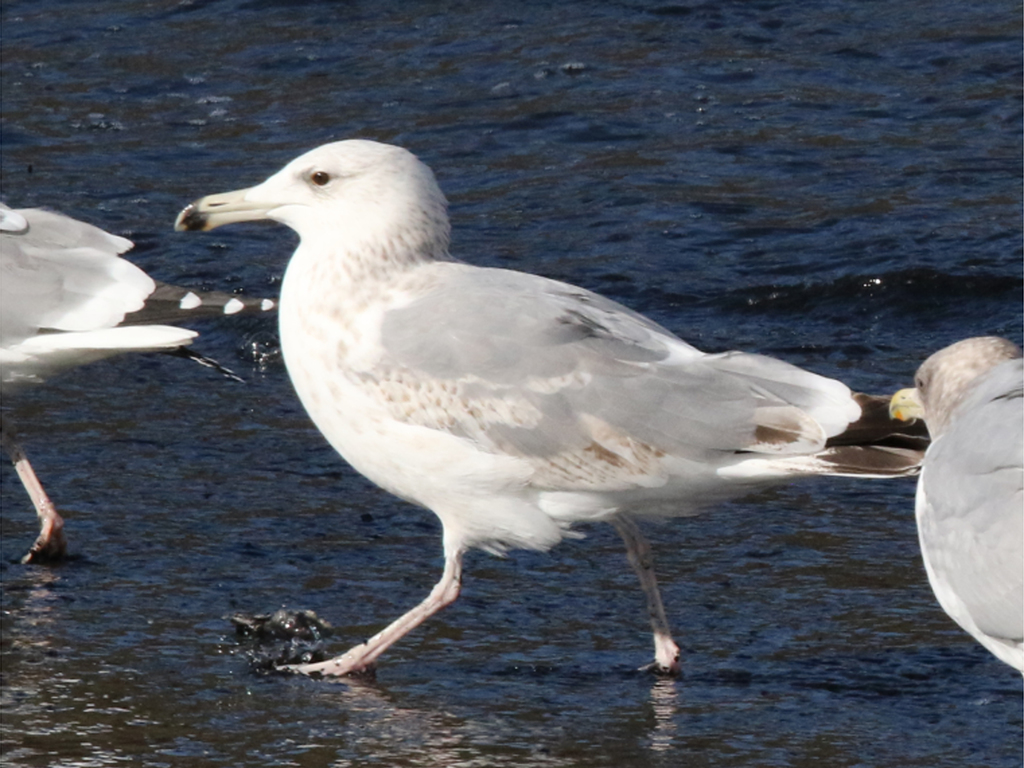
(837, 184)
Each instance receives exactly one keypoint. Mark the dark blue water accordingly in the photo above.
(834, 183)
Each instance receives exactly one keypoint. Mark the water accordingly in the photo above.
(834, 183)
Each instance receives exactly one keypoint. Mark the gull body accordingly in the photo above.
(970, 495)
(511, 405)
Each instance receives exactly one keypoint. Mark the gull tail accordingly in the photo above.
(173, 304)
(876, 445)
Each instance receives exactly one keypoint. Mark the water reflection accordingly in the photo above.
(665, 704)
(372, 726)
(375, 728)
(31, 609)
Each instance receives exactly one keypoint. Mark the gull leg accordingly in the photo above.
(638, 551)
(50, 544)
(361, 657)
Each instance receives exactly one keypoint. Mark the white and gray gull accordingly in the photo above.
(511, 405)
(68, 298)
(970, 496)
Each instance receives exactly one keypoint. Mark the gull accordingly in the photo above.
(68, 298)
(511, 405)
(970, 495)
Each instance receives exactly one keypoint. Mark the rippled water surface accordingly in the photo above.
(834, 183)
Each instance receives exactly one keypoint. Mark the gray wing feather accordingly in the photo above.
(580, 366)
(974, 483)
(63, 274)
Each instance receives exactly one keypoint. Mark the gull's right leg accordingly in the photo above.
(638, 550)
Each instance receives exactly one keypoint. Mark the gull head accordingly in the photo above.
(945, 377)
(356, 192)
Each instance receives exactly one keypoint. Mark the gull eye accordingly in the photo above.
(320, 178)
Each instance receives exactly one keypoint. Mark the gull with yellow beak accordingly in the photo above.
(970, 496)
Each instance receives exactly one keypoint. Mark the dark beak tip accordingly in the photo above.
(191, 220)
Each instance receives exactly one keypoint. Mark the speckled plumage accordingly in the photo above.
(511, 405)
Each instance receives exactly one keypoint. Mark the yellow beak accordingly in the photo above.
(906, 405)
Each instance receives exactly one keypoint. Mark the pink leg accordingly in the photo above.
(666, 652)
(50, 544)
(362, 657)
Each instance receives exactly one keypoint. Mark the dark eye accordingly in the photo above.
(320, 178)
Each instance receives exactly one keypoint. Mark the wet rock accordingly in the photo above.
(281, 637)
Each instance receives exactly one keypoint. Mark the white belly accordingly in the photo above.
(482, 498)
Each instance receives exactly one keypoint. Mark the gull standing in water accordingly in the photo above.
(970, 496)
(510, 405)
(68, 298)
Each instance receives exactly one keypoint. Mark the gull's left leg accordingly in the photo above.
(50, 544)
(362, 657)
(638, 550)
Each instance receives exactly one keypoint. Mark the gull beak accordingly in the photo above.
(906, 405)
(214, 211)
